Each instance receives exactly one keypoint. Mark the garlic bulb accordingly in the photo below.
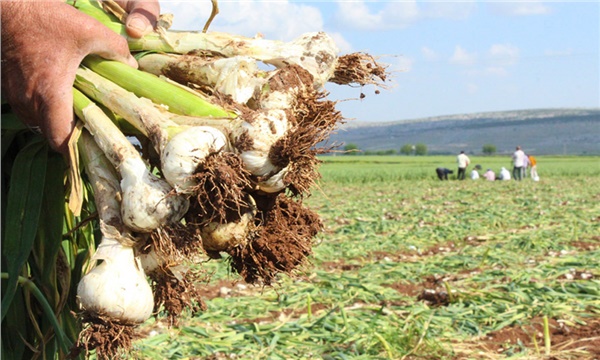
(147, 200)
(117, 288)
(151, 261)
(186, 151)
(316, 52)
(235, 77)
(275, 182)
(222, 237)
(255, 138)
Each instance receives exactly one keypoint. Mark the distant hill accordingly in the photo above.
(539, 131)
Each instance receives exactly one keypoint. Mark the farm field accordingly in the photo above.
(410, 267)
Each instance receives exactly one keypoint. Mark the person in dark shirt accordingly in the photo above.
(442, 173)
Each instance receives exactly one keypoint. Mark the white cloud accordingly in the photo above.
(344, 46)
(429, 54)
(369, 15)
(357, 15)
(360, 15)
(497, 59)
(462, 57)
(558, 53)
(503, 54)
(404, 64)
(399, 14)
(496, 71)
(519, 8)
(278, 20)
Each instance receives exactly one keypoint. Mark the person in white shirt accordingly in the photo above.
(525, 166)
(463, 161)
(518, 158)
(504, 174)
(475, 172)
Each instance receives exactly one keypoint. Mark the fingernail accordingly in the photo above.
(132, 61)
(138, 24)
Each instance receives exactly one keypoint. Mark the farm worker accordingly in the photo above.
(525, 166)
(474, 174)
(489, 175)
(463, 161)
(43, 43)
(518, 159)
(442, 173)
(533, 166)
(504, 174)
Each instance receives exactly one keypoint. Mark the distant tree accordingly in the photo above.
(421, 149)
(489, 149)
(385, 152)
(351, 148)
(406, 149)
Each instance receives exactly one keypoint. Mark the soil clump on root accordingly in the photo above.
(108, 337)
(174, 294)
(313, 122)
(220, 190)
(281, 243)
(360, 69)
(174, 242)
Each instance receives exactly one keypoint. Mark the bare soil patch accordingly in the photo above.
(563, 337)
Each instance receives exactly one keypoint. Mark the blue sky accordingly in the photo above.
(447, 57)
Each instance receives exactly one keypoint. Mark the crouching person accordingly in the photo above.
(442, 173)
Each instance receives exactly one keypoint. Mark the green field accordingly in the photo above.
(394, 168)
(410, 267)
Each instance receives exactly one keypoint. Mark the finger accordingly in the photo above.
(57, 118)
(109, 45)
(54, 98)
(142, 18)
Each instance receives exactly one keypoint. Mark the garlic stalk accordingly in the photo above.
(241, 78)
(179, 159)
(148, 201)
(238, 76)
(315, 52)
(176, 98)
(116, 288)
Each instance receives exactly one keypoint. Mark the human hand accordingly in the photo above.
(142, 17)
(43, 44)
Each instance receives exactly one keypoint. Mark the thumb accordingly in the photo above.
(142, 16)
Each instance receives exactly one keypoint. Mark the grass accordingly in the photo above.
(498, 254)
